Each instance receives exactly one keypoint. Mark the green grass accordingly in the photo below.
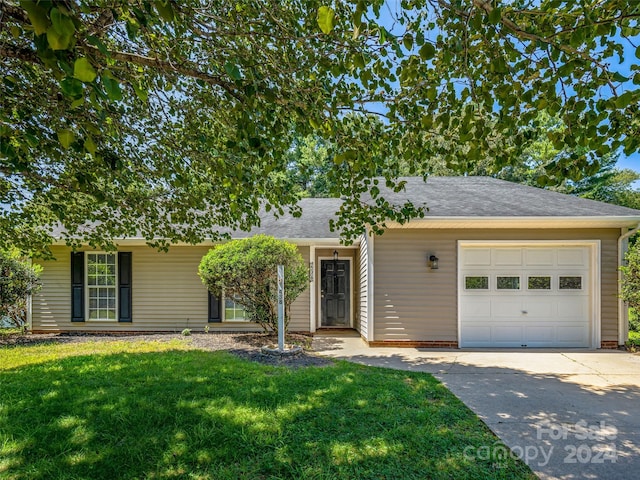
(163, 411)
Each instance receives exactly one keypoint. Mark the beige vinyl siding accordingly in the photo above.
(413, 302)
(363, 277)
(609, 285)
(167, 295)
(300, 307)
(51, 307)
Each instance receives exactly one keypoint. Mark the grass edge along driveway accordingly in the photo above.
(165, 410)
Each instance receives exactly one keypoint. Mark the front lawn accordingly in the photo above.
(164, 410)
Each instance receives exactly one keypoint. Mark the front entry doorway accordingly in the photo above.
(335, 293)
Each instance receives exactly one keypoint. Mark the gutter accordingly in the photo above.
(598, 221)
(623, 325)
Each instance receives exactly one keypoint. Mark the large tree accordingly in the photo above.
(534, 164)
(166, 119)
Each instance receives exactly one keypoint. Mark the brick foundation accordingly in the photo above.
(415, 344)
(609, 344)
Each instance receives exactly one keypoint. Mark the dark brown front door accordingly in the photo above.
(335, 294)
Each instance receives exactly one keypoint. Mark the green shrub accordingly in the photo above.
(246, 270)
(634, 320)
(633, 343)
(630, 291)
(18, 280)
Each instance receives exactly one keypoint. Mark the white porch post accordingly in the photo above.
(312, 288)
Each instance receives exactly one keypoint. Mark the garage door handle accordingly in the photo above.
(525, 312)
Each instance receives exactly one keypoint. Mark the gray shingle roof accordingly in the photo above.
(314, 222)
(446, 197)
(489, 197)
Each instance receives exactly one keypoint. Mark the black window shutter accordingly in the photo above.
(124, 286)
(214, 308)
(77, 286)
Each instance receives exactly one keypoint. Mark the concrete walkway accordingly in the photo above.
(569, 414)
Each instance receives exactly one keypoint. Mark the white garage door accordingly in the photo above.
(533, 296)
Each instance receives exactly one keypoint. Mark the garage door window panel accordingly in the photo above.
(507, 282)
(474, 282)
(539, 282)
(570, 282)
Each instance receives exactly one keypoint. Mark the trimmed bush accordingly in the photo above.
(246, 270)
(630, 291)
(18, 280)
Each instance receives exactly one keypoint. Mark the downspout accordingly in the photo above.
(622, 311)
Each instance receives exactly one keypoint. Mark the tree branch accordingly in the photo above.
(183, 69)
(21, 53)
(14, 12)
(519, 32)
(511, 25)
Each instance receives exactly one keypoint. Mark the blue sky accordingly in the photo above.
(632, 162)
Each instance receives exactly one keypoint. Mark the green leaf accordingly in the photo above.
(96, 42)
(56, 40)
(58, 21)
(326, 17)
(624, 100)
(90, 145)
(71, 87)
(165, 9)
(65, 137)
(382, 34)
(427, 51)
(77, 103)
(141, 92)
(495, 16)
(232, 70)
(112, 87)
(638, 52)
(61, 31)
(37, 16)
(84, 71)
(618, 77)
(407, 41)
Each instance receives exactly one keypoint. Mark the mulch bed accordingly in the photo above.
(243, 345)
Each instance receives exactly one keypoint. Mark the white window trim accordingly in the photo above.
(223, 312)
(319, 290)
(87, 288)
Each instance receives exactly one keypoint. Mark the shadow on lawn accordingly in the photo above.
(210, 415)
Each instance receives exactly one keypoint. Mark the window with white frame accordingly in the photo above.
(233, 311)
(102, 286)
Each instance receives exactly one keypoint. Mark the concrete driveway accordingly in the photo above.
(568, 413)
